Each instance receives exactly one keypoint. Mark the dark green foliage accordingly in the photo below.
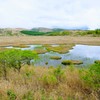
(94, 32)
(35, 33)
(54, 33)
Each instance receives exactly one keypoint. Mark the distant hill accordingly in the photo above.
(42, 29)
(11, 31)
(45, 30)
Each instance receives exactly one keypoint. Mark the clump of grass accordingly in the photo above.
(28, 72)
(60, 49)
(97, 62)
(55, 57)
(49, 80)
(46, 63)
(70, 62)
(21, 46)
(28, 96)
(40, 50)
(59, 73)
(11, 95)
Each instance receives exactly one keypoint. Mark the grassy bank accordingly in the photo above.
(42, 83)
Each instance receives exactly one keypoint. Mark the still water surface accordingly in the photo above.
(88, 54)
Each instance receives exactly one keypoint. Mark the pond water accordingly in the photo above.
(88, 54)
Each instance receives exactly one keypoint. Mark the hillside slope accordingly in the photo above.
(11, 32)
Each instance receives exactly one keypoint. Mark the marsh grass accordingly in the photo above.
(42, 83)
(55, 57)
(21, 46)
(60, 49)
(72, 62)
(40, 50)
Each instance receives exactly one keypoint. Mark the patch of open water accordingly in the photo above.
(88, 54)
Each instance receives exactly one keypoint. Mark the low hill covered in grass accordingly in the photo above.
(61, 32)
(47, 32)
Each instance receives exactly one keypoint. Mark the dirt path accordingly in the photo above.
(14, 40)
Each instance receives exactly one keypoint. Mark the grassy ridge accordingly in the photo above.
(63, 33)
(67, 83)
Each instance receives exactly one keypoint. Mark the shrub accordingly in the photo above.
(15, 59)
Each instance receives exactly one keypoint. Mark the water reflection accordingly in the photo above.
(92, 52)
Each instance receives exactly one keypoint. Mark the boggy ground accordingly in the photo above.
(16, 40)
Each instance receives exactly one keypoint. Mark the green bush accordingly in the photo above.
(15, 59)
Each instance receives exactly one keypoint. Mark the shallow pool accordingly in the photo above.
(88, 54)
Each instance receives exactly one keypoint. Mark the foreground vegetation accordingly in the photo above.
(20, 80)
(68, 83)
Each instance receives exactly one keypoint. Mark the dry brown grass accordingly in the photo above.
(30, 82)
(16, 40)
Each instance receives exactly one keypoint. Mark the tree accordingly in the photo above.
(15, 59)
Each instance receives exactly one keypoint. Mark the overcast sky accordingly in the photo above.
(49, 13)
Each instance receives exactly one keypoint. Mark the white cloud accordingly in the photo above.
(49, 13)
